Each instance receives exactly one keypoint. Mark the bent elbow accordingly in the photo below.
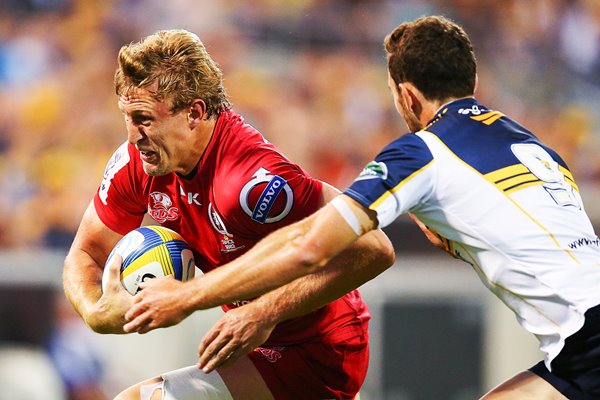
(387, 253)
(382, 249)
(310, 257)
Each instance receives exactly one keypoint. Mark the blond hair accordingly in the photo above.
(181, 66)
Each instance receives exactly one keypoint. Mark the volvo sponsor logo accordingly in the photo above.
(270, 189)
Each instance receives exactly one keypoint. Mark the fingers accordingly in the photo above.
(138, 317)
(219, 353)
(143, 323)
(220, 346)
(416, 220)
(154, 281)
(205, 342)
(211, 345)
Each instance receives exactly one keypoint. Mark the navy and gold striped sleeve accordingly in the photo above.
(397, 180)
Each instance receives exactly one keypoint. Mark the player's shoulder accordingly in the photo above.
(123, 165)
(244, 153)
(409, 146)
(467, 119)
(235, 135)
(255, 183)
(125, 154)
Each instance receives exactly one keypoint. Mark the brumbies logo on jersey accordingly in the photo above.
(373, 170)
(161, 209)
(266, 198)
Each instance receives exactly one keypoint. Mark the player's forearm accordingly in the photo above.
(81, 282)
(276, 260)
(248, 275)
(359, 263)
(82, 279)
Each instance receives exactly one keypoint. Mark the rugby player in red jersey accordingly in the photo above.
(194, 165)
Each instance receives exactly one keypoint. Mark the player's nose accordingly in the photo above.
(135, 133)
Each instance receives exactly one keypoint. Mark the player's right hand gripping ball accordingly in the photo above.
(151, 252)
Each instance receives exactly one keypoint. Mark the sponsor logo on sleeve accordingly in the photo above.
(119, 159)
(161, 209)
(266, 198)
(373, 170)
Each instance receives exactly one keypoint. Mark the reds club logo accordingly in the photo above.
(161, 208)
(271, 354)
(266, 198)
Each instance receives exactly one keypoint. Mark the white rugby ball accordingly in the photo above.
(151, 252)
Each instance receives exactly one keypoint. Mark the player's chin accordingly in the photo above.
(155, 169)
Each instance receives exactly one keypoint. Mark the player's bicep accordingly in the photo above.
(337, 225)
(366, 219)
(328, 193)
(94, 237)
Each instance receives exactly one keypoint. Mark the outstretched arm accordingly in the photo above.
(283, 256)
(242, 329)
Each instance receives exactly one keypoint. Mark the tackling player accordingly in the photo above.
(194, 165)
(492, 194)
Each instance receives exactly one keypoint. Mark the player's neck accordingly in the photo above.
(203, 134)
(431, 108)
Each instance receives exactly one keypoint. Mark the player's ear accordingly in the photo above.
(411, 96)
(196, 112)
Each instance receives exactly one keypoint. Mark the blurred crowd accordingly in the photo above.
(309, 74)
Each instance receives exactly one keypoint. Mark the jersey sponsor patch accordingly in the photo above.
(228, 244)
(119, 159)
(372, 170)
(266, 198)
(216, 221)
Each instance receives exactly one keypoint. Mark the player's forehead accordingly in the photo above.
(141, 99)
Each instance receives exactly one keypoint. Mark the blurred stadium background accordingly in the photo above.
(311, 76)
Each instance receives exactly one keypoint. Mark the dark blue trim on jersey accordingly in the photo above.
(402, 157)
(484, 147)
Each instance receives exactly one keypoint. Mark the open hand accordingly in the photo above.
(236, 334)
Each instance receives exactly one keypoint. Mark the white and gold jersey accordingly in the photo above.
(507, 204)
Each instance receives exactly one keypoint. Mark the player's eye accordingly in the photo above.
(141, 120)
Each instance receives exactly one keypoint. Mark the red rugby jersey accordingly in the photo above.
(242, 189)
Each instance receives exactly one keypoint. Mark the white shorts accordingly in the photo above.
(189, 383)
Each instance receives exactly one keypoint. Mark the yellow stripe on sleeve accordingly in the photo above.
(388, 193)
